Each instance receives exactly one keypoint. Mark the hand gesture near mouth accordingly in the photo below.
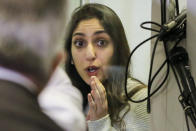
(98, 104)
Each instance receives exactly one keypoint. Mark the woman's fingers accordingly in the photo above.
(92, 108)
(98, 105)
(95, 93)
(101, 90)
(91, 101)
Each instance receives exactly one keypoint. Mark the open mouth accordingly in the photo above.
(92, 70)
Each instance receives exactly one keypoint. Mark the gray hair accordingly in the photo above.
(31, 32)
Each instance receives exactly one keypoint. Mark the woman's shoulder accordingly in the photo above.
(136, 89)
(137, 117)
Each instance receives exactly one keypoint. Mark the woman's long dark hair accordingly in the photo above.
(114, 84)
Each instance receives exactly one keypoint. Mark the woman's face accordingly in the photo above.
(92, 49)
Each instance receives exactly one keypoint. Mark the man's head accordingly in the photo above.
(30, 36)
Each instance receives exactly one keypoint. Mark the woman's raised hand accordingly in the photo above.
(98, 104)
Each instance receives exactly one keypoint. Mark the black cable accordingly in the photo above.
(187, 122)
(163, 12)
(153, 91)
(127, 67)
(150, 73)
(177, 80)
(151, 67)
(186, 109)
(142, 25)
(157, 72)
(163, 21)
(153, 76)
(151, 29)
(177, 7)
(166, 76)
(179, 32)
(164, 80)
(162, 65)
(160, 68)
(150, 81)
(175, 74)
(167, 73)
(152, 56)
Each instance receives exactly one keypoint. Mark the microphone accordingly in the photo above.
(179, 19)
(175, 29)
(179, 59)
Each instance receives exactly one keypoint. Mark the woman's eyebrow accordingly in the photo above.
(100, 32)
(78, 33)
(96, 33)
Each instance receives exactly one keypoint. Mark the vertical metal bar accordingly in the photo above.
(163, 12)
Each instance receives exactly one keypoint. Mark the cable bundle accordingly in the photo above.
(176, 57)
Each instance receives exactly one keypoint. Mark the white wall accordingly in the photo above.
(132, 13)
(191, 34)
(191, 37)
(72, 4)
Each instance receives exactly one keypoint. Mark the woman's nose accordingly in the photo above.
(90, 52)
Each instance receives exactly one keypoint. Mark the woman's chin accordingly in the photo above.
(88, 81)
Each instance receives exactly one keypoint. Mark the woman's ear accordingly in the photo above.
(72, 62)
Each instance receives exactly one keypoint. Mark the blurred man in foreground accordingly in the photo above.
(30, 31)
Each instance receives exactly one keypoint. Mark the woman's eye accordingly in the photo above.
(79, 43)
(101, 42)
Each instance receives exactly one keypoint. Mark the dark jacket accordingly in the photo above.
(19, 110)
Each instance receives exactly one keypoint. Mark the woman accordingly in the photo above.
(97, 54)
